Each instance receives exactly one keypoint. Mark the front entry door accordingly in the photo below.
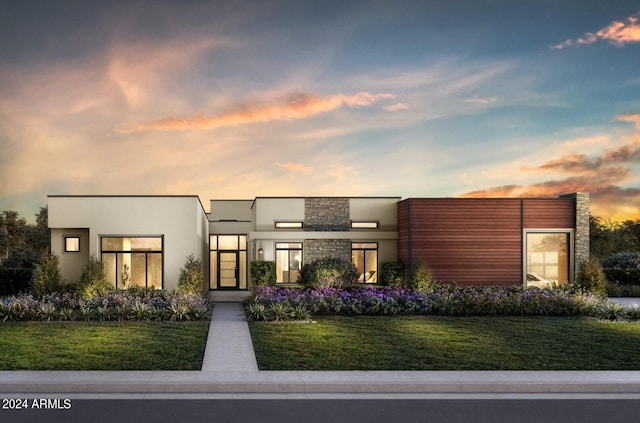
(228, 274)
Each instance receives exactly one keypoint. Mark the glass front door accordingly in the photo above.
(228, 274)
(228, 262)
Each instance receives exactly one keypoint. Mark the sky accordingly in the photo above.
(238, 99)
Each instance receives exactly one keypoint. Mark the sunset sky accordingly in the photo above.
(238, 99)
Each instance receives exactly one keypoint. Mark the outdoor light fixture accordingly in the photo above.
(260, 253)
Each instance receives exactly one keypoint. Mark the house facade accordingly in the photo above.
(144, 240)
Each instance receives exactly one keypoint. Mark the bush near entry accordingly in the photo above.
(191, 279)
(263, 273)
(329, 272)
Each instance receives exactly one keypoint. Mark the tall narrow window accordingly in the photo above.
(288, 261)
(365, 257)
(548, 258)
(133, 262)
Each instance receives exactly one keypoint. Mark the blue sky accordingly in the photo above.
(358, 98)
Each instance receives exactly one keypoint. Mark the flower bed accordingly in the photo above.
(138, 305)
(274, 303)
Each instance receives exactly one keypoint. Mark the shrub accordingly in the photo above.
(46, 276)
(263, 273)
(591, 277)
(420, 278)
(16, 272)
(191, 280)
(275, 303)
(623, 268)
(392, 274)
(93, 282)
(328, 272)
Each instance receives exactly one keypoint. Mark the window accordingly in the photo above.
(547, 258)
(365, 225)
(71, 244)
(365, 257)
(133, 261)
(288, 261)
(289, 225)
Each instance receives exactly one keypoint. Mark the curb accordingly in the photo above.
(292, 382)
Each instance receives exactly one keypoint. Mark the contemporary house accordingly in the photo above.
(144, 240)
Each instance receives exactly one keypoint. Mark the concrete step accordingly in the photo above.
(229, 296)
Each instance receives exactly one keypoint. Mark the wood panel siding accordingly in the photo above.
(548, 213)
(468, 241)
(403, 231)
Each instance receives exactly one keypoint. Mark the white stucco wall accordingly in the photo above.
(381, 209)
(268, 210)
(179, 219)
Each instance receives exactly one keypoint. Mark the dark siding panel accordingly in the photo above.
(549, 213)
(403, 231)
(468, 241)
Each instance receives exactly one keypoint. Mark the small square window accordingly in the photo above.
(71, 244)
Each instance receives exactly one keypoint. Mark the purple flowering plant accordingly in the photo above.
(441, 299)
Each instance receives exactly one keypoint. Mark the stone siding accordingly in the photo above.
(326, 214)
(315, 249)
(581, 236)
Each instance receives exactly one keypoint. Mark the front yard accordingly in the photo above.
(447, 343)
(102, 346)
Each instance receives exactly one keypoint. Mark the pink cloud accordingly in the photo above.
(634, 118)
(480, 100)
(296, 167)
(298, 106)
(617, 33)
(397, 107)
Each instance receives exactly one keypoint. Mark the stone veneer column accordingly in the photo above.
(581, 235)
(326, 214)
(315, 249)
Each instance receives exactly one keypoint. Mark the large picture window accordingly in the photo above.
(288, 261)
(133, 261)
(365, 257)
(547, 258)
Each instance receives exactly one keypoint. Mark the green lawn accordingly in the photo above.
(447, 343)
(102, 346)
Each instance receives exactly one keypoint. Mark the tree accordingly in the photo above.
(21, 246)
(607, 237)
(14, 234)
(46, 277)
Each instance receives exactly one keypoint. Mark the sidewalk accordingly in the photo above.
(229, 347)
(229, 368)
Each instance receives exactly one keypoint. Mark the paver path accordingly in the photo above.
(229, 347)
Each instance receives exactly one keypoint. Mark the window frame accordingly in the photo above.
(364, 256)
(365, 225)
(288, 224)
(288, 264)
(133, 252)
(570, 249)
(241, 249)
(65, 245)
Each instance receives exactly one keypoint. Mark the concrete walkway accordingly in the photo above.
(229, 347)
(229, 370)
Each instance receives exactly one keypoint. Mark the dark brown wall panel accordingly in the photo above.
(468, 241)
(549, 213)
